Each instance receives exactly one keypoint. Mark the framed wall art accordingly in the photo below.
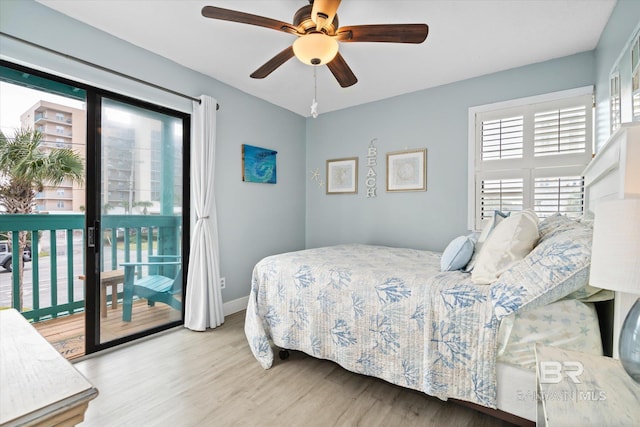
(407, 170)
(342, 176)
(258, 164)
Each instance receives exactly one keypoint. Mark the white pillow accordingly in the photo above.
(507, 244)
(491, 224)
(457, 254)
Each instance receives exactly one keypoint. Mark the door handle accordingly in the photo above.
(92, 233)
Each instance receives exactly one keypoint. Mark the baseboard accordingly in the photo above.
(235, 306)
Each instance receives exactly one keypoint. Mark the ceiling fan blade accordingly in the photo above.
(342, 72)
(386, 33)
(273, 63)
(247, 18)
(323, 12)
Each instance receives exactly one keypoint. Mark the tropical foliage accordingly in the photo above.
(26, 166)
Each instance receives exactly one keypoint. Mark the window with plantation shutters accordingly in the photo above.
(500, 194)
(560, 131)
(635, 78)
(530, 154)
(502, 138)
(615, 105)
(563, 194)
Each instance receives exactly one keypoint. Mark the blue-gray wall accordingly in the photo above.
(254, 220)
(435, 119)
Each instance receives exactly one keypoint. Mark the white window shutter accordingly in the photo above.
(635, 78)
(563, 194)
(615, 107)
(500, 194)
(560, 131)
(502, 138)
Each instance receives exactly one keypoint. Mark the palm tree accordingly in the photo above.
(25, 167)
(144, 204)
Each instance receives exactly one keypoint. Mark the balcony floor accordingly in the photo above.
(67, 334)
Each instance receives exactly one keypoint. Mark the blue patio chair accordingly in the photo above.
(162, 284)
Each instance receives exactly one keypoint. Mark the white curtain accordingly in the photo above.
(203, 307)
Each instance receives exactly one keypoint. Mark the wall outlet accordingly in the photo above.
(223, 283)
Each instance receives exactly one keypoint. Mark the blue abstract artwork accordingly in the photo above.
(258, 164)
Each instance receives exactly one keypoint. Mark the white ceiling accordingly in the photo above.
(467, 38)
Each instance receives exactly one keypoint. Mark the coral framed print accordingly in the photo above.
(258, 164)
(342, 176)
(407, 170)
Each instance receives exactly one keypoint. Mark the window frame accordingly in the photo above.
(537, 166)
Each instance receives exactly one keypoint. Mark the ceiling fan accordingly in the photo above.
(316, 26)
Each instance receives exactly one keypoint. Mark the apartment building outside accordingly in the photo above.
(61, 127)
(131, 159)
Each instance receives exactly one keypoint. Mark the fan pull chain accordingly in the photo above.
(314, 104)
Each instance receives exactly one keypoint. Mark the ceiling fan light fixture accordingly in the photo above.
(315, 48)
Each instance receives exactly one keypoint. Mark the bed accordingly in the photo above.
(393, 314)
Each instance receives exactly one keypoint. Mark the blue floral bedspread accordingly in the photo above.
(378, 311)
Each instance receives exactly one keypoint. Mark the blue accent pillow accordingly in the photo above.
(457, 254)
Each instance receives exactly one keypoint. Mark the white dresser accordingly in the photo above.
(38, 387)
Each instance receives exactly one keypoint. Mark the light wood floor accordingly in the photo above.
(186, 378)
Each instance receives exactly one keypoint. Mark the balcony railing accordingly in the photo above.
(52, 286)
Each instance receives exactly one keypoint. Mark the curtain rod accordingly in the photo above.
(100, 67)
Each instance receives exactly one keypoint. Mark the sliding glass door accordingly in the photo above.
(107, 264)
(139, 209)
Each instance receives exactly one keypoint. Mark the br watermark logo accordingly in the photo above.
(551, 372)
(554, 372)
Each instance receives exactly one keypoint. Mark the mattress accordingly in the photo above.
(516, 391)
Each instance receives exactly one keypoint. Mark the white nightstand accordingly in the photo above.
(579, 389)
